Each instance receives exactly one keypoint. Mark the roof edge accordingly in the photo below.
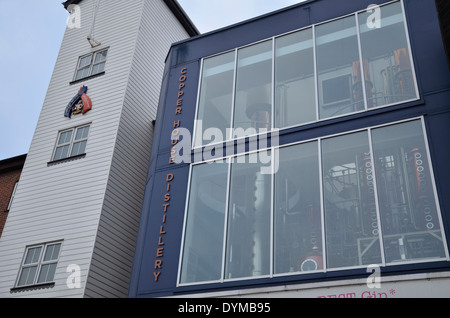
(67, 3)
(304, 3)
(182, 16)
(12, 163)
(173, 5)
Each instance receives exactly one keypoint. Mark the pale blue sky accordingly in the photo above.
(30, 37)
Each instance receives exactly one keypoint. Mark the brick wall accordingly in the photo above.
(10, 170)
(443, 8)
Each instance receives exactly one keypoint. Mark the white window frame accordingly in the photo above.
(40, 262)
(91, 65)
(71, 143)
(12, 196)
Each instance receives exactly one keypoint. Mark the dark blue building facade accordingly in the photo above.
(300, 147)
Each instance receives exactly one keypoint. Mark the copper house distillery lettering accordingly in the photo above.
(162, 232)
(170, 177)
(178, 110)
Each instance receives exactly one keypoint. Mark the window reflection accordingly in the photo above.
(388, 70)
(337, 67)
(352, 229)
(216, 94)
(408, 209)
(248, 239)
(298, 234)
(295, 101)
(203, 244)
(253, 106)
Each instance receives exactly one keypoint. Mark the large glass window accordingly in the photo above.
(297, 213)
(248, 237)
(216, 96)
(340, 202)
(253, 105)
(336, 68)
(388, 73)
(409, 214)
(295, 101)
(203, 245)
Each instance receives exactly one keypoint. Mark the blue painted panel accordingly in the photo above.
(161, 242)
(434, 85)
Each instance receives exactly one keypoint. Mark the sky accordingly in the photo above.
(31, 33)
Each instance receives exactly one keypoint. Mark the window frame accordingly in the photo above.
(91, 65)
(71, 144)
(40, 263)
(355, 15)
(230, 159)
(11, 199)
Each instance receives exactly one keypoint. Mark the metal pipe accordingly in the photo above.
(90, 37)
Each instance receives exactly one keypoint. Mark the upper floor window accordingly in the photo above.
(39, 264)
(71, 142)
(332, 69)
(91, 64)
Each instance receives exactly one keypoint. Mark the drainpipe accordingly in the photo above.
(90, 37)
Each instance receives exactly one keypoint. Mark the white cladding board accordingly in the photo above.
(123, 199)
(92, 204)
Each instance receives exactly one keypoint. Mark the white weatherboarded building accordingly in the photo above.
(72, 227)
